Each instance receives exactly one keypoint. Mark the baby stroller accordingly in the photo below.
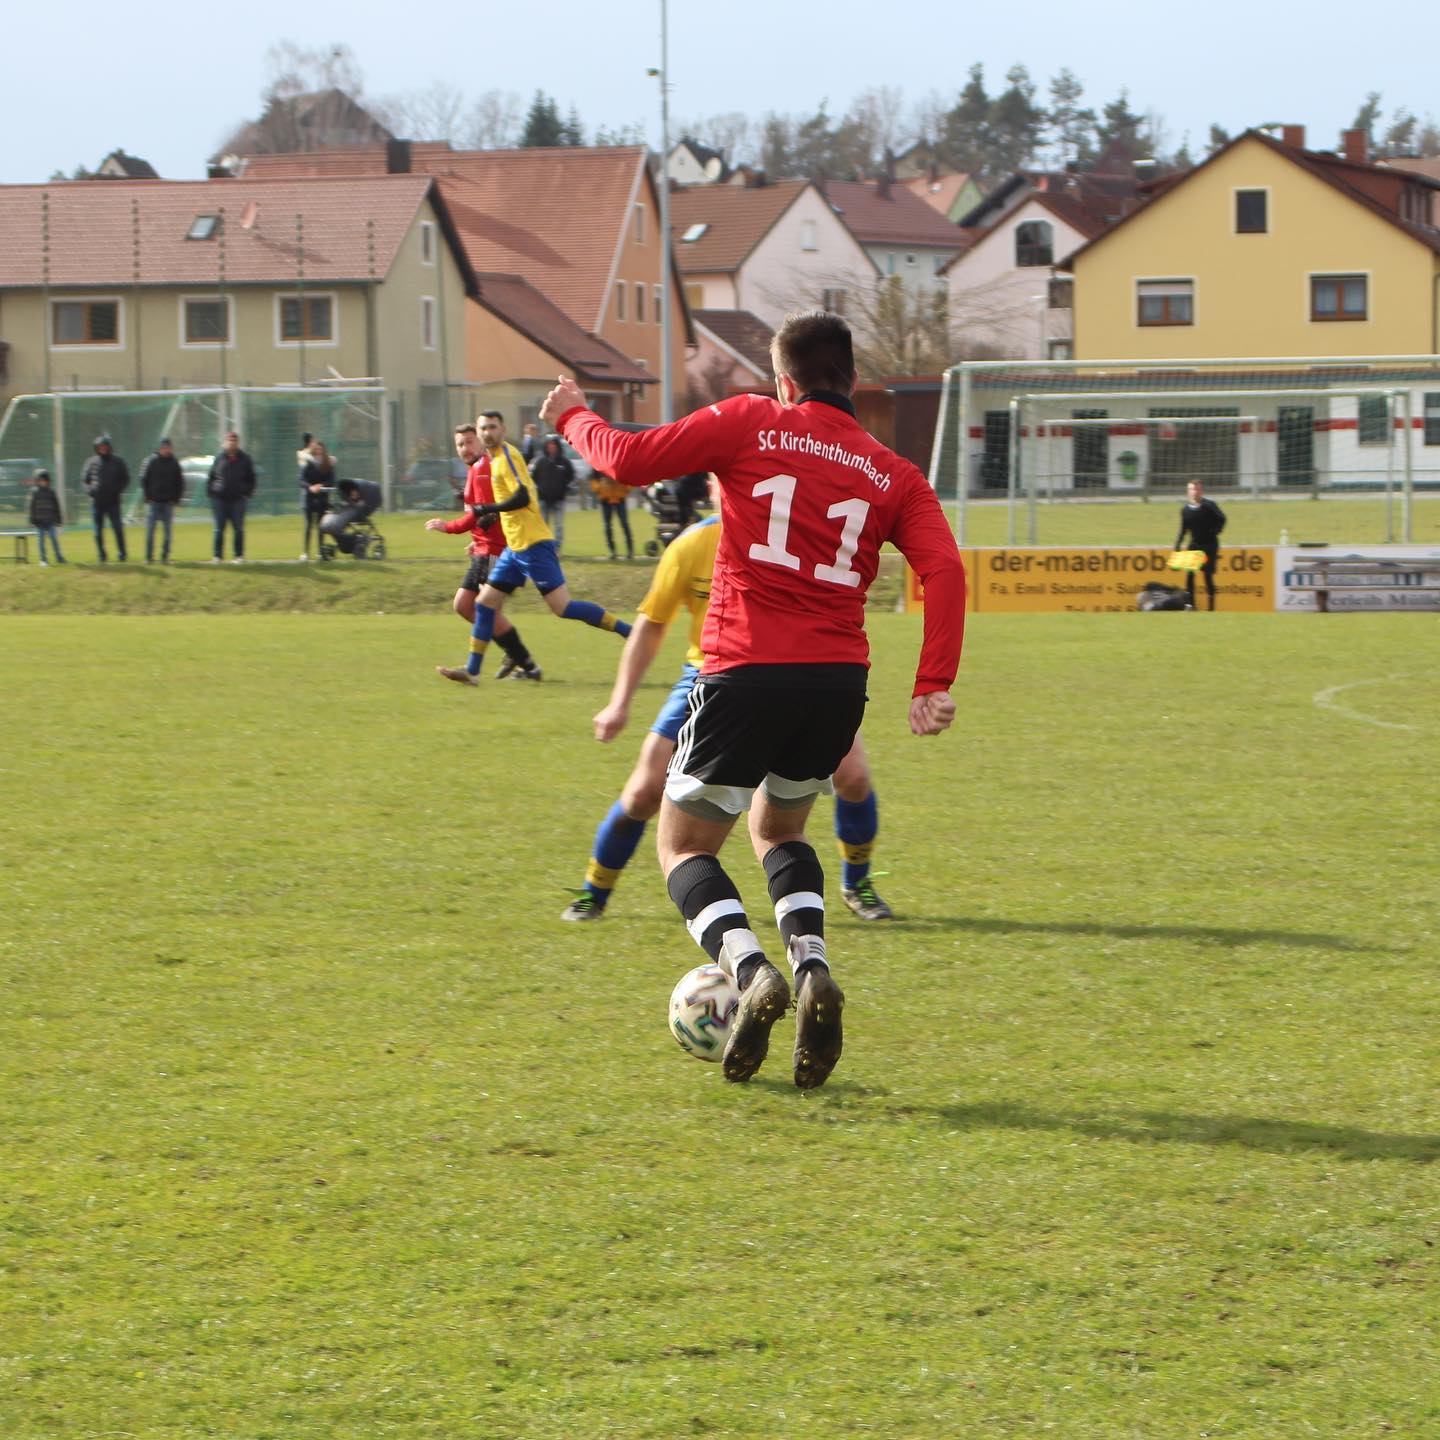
(676, 506)
(350, 528)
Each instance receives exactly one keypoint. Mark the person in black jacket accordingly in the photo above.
(1204, 520)
(163, 484)
(232, 483)
(317, 478)
(358, 500)
(553, 475)
(106, 477)
(45, 515)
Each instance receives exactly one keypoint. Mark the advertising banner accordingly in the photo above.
(1368, 577)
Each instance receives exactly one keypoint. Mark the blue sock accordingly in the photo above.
(615, 842)
(596, 615)
(856, 824)
(480, 634)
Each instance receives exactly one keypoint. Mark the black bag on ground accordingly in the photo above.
(1156, 596)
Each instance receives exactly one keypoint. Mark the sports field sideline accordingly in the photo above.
(317, 1122)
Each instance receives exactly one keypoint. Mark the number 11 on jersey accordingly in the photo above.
(853, 512)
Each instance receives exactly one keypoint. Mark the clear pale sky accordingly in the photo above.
(167, 81)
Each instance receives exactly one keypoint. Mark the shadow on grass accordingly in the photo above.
(1151, 1127)
(1209, 934)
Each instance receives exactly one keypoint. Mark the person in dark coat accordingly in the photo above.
(1204, 520)
(358, 500)
(232, 483)
(553, 475)
(163, 484)
(106, 478)
(317, 478)
(45, 515)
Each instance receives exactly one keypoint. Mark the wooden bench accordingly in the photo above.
(20, 543)
(1353, 572)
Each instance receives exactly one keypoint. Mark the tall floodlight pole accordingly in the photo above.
(667, 400)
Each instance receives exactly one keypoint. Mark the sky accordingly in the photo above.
(170, 80)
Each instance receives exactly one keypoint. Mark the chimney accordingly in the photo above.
(397, 157)
(1293, 136)
(1356, 146)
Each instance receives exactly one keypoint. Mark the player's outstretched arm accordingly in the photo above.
(932, 712)
(567, 395)
(638, 655)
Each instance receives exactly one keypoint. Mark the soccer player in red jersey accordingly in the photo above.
(807, 499)
(486, 543)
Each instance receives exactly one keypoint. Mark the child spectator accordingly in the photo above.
(45, 515)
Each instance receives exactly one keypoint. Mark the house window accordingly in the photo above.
(639, 304)
(1432, 417)
(203, 227)
(659, 305)
(909, 259)
(890, 263)
(1061, 349)
(1034, 243)
(833, 300)
(639, 224)
(85, 322)
(1416, 205)
(1165, 302)
(306, 318)
(1374, 420)
(1062, 295)
(427, 242)
(620, 300)
(1339, 297)
(206, 322)
(427, 322)
(1252, 212)
(694, 232)
(695, 296)
(807, 235)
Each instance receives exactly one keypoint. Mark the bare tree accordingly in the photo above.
(494, 121)
(293, 69)
(437, 111)
(875, 123)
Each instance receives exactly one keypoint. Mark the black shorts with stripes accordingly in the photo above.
(478, 573)
(794, 721)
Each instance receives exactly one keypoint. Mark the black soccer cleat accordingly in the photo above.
(508, 666)
(583, 907)
(762, 1003)
(819, 1034)
(863, 900)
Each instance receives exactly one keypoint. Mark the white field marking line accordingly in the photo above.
(1325, 699)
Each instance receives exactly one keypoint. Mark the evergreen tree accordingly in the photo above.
(542, 123)
(964, 142)
(1219, 138)
(1072, 128)
(571, 132)
(1366, 116)
(1014, 124)
(1400, 134)
(1119, 134)
(777, 145)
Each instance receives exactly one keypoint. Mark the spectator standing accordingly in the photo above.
(317, 476)
(163, 484)
(1204, 520)
(530, 443)
(553, 475)
(232, 483)
(45, 515)
(611, 495)
(106, 477)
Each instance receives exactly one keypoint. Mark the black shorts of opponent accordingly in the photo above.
(478, 572)
(796, 722)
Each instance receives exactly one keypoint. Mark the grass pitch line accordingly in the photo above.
(1325, 699)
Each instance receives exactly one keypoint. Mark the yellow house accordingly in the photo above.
(1267, 249)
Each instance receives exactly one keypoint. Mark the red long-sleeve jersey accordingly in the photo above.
(478, 491)
(807, 499)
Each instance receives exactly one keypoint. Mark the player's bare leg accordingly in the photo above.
(706, 896)
(777, 831)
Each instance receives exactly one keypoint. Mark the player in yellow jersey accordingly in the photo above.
(682, 580)
(529, 553)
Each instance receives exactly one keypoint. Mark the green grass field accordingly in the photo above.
(316, 1122)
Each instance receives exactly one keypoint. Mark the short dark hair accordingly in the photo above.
(465, 430)
(814, 348)
(492, 415)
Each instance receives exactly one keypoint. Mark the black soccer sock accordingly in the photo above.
(511, 643)
(797, 886)
(715, 916)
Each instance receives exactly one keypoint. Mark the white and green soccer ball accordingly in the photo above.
(702, 1009)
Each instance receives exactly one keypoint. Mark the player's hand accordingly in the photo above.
(434, 524)
(932, 713)
(565, 396)
(610, 721)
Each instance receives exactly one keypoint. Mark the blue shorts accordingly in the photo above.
(673, 711)
(538, 563)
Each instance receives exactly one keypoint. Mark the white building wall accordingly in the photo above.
(916, 266)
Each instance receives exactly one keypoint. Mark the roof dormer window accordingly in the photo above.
(694, 232)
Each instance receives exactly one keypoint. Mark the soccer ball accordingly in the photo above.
(702, 1007)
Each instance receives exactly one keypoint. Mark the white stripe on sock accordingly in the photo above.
(709, 915)
(800, 900)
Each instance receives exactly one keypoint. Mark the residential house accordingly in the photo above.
(1268, 248)
(568, 246)
(117, 165)
(766, 249)
(905, 238)
(1005, 300)
(732, 353)
(954, 193)
(691, 163)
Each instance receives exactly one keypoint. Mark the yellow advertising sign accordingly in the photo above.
(1039, 579)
